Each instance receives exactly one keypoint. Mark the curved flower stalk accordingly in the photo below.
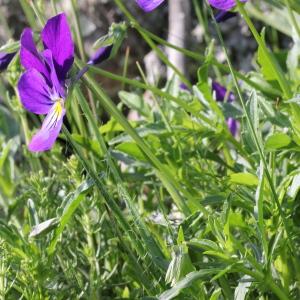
(221, 94)
(224, 4)
(42, 87)
(149, 5)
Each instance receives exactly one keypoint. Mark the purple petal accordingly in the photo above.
(34, 92)
(224, 4)
(101, 55)
(5, 59)
(57, 37)
(221, 92)
(56, 85)
(183, 86)
(232, 126)
(149, 5)
(224, 15)
(30, 58)
(45, 138)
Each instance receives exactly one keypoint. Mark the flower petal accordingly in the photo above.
(34, 92)
(221, 92)
(45, 138)
(57, 37)
(149, 5)
(30, 58)
(232, 126)
(56, 85)
(224, 15)
(100, 55)
(5, 59)
(224, 4)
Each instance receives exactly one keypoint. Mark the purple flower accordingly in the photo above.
(5, 59)
(183, 86)
(100, 55)
(224, 4)
(221, 93)
(223, 15)
(149, 5)
(42, 86)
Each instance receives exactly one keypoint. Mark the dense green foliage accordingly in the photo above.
(169, 205)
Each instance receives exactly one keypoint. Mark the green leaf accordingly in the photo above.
(244, 179)
(71, 203)
(216, 294)
(266, 68)
(277, 141)
(115, 37)
(132, 149)
(43, 227)
(186, 282)
(135, 102)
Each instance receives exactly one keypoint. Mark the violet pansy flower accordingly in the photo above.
(5, 59)
(224, 4)
(42, 86)
(149, 5)
(221, 94)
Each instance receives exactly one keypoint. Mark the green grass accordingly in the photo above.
(170, 206)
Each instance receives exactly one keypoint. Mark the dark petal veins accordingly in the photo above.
(45, 138)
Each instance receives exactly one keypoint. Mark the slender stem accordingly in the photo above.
(79, 39)
(78, 33)
(125, 68)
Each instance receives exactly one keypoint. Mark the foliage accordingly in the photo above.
(170, 205)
